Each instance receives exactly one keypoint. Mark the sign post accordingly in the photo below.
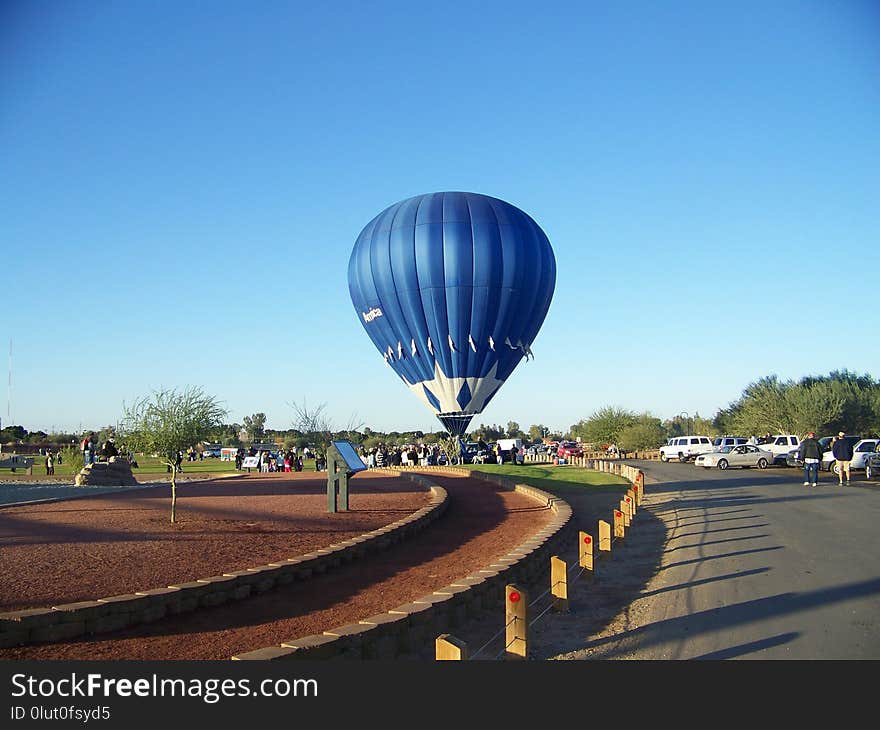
(342, 463)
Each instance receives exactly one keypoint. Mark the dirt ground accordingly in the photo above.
(108, 545)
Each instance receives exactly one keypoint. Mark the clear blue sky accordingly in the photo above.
(182, 183)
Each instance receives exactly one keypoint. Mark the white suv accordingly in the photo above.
(685, 448)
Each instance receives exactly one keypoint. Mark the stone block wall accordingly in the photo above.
(410, 626)
(85, 618)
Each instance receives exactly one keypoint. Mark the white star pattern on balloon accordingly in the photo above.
(446, 390)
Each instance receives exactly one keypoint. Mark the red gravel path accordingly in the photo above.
(103, 546)
(239, 523)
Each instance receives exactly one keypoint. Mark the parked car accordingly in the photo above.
(536, 449)
(744, 455)
(872, 464)
(779, 445)
(508, 445)
(473, 451)
(861, 450)
(685, 448)
(827, 442)
(721, 441)
(792, 458)
(212, 452)
(568, 449)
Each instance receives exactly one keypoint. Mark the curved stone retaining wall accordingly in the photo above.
(70, 620)
(412, 625)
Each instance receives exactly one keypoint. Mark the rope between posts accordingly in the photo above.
(493, 638)
(535, 620)
(538, 598)
(575, 567)
(506, 646)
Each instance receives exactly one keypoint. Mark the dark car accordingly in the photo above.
(825, 443)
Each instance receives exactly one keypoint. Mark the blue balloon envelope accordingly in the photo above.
(452, 289)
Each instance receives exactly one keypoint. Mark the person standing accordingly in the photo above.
(93, 447)
(843, 453)
(84, 447)
(50, 464)
(108, 449)
(810, 452)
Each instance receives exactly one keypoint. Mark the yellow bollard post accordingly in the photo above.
(585, 553)
(604, 537)
(447, 647)
(516, 631)
(559, 584)
(619, 528)
(624, 507)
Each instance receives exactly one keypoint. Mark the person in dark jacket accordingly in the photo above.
(842, 450)
(810, 452)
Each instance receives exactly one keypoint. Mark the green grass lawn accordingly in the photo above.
(559, 480)
(150, 465)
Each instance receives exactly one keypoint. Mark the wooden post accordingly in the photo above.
(447, 647)
(619, 528)
(604, 537)
(630, 499)
(624, 507)
(516, 623)
(585, 553)
(559, 584)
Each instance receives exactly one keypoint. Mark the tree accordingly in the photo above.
(488, 433)
(13, 433)
(168, 422)
(255, 426)
(646, 432)
(317, 428)
(603, 426)
(514, 431)
(788, 407)
(538, 431)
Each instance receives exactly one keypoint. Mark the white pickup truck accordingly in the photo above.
(780, 445)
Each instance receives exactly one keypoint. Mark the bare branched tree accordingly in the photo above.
(312, 422)
(315, 425)
(169, 421)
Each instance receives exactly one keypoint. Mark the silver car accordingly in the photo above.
(744, 455)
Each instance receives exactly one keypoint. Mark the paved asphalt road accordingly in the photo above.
(754, 565)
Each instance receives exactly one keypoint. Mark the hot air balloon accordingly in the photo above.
(452, 289)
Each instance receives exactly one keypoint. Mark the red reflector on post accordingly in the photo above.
(588, 539)
(514, 596)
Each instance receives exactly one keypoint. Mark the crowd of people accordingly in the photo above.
(283, 460)
(412, 455)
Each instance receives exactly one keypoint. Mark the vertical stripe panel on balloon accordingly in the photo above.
(429, 267)
(488, 271)
(394, 323)
(403, 264)
(459, 275)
